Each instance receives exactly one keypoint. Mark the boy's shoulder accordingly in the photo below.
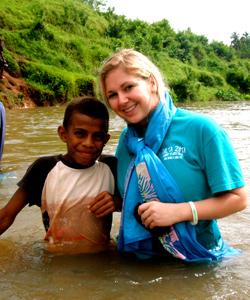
(109, 160)
(38, 170)
(48, 160)
(44, 163)
(35, 176)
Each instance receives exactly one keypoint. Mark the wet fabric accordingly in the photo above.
(63, 192)
(66, 195)
(148, 179)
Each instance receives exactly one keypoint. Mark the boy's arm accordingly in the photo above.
(29, 191)
(9, 212)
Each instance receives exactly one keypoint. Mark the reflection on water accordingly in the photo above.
(27, 271)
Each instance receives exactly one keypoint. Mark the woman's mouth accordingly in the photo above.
(129, 109)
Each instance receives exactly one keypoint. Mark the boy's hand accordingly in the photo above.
(5, 220)
(102, 205)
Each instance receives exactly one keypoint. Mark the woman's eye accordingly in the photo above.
(128, 87)
(110, 96)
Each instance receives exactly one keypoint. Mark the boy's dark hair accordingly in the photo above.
(88, 106)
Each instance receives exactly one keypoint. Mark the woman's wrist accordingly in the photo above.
(184, 212)
(194, 213)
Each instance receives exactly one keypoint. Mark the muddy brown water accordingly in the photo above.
(27, 271)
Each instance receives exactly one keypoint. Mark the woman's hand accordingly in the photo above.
(102, 205)
(158, 214)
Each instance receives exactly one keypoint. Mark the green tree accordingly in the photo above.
(241, 44)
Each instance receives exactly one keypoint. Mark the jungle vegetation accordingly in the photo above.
(57, 47)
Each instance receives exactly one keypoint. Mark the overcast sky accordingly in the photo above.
(215, 19)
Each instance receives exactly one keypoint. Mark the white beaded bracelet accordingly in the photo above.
(194, 213)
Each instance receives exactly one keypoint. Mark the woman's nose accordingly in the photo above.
(122, 98)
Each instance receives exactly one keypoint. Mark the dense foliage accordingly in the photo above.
(57, 46)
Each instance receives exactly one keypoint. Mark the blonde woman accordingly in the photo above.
(177, 170)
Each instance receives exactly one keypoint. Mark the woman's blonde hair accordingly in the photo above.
(134, 63)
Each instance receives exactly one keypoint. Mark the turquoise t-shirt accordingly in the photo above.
(200, 157)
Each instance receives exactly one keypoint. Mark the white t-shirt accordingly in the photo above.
(65, 196)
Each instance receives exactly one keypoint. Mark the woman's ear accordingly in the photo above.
(153, 85)
(62, 133)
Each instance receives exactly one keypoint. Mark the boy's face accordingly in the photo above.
(85, 138)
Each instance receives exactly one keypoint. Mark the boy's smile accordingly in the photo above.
(85, 138)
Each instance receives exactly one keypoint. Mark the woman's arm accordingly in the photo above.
(155, 213)
(9, 212)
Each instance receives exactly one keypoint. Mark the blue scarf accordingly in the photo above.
(148, 179)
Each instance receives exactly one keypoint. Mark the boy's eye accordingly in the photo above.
(99, 136)
(80, 133)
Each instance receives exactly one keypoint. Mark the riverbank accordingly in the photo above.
(15, 92)
(58, 47)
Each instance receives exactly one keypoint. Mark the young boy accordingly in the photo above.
(74, 191)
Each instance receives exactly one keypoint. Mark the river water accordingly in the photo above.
(27, 271)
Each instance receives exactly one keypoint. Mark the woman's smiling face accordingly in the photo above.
(130, 96)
